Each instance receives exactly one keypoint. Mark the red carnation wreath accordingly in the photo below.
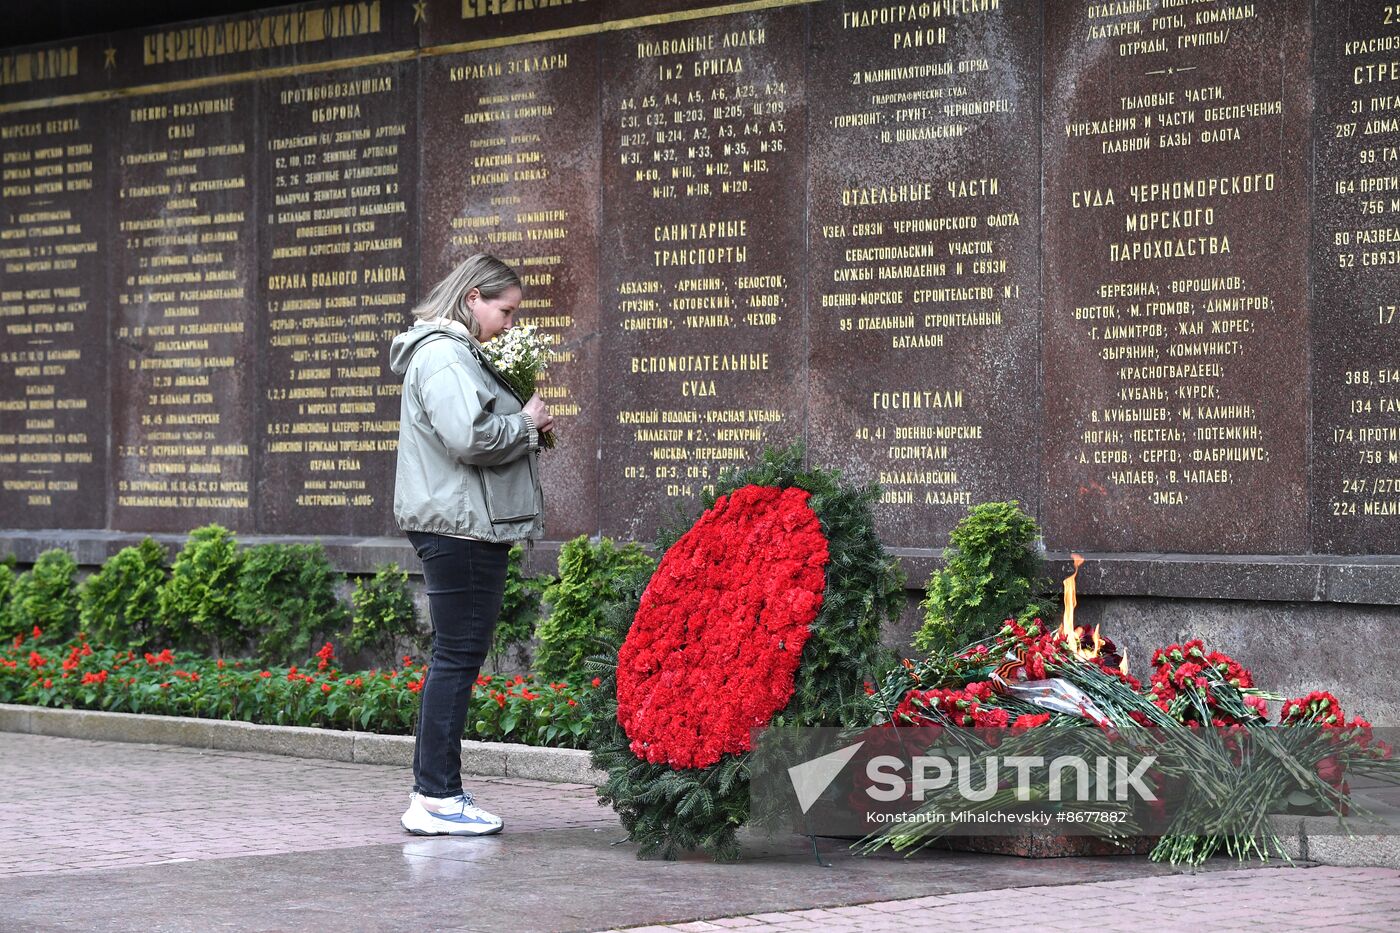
(715, 644)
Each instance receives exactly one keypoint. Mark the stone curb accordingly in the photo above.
(483, 759)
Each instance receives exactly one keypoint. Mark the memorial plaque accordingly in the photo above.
(1174, 348)
(924, 238)
(54, 315)
(338, 269)
(702, 271)
(510, 163)
(444, 22)
(185, 270)
(1356, 279)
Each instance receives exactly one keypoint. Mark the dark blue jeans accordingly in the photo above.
(466, 581)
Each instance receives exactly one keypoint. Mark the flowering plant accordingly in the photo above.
(766, 610)
(521, 355)
(81, 675)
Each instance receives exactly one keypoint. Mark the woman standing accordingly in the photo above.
(466, 488)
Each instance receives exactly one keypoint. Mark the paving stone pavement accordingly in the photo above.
(120, 805)
(1277, 900)
(108, 836)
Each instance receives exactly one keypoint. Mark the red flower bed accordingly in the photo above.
(716, 641)
(80, 676)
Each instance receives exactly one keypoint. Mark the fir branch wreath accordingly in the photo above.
(767, 610)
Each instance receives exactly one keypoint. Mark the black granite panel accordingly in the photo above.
(1248, 578)
(1356, 280)
(702, 271)
(1174, 333)
(509, 162)
(925, 194)
(54, 317)
(1368, 580)
(184, 382)
(337, 270)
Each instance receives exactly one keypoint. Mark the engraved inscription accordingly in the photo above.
(53, 318)
(1356, 282)
(701, 284)
(183, 327)
(1175, 286)
(923, 258)
(337, 273)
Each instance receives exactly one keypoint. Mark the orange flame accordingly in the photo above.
(1067, 625)
(1073, 635)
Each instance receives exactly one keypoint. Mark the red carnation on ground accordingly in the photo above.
(716, 642)
(962, 706)
(1187, 669)
(1317, 707)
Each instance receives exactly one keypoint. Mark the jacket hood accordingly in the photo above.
(406, 344)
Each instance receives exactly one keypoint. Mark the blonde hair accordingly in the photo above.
(447, 301)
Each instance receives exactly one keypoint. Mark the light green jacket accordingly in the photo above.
(467, 452)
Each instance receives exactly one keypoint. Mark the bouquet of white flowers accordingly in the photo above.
(521, 354)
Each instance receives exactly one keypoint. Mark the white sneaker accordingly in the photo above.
(448, 816)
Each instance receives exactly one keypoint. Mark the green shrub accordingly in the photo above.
(7, 586)
(590, 577)
(197, 603)
(286, 599)
(384, 613)
(992, 572)
(520, 612)
(119, 604)
(44, 596)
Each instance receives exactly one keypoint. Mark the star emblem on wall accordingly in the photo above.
(109, 58)
(420, 11)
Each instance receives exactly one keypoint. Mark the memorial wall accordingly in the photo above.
(1134, 263)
